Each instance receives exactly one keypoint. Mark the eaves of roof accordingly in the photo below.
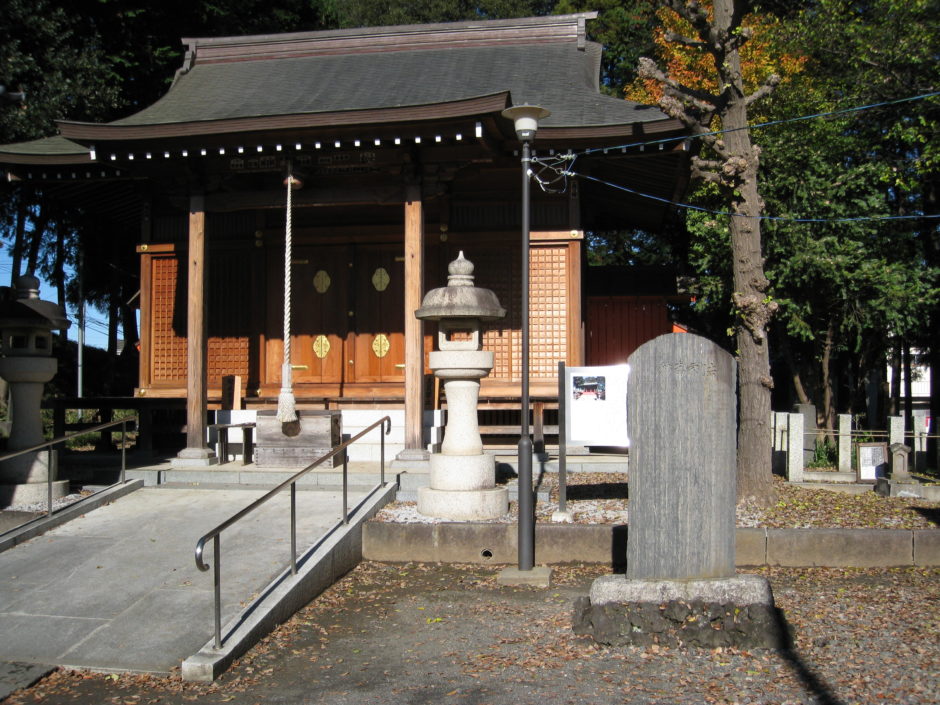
(85, 131)
(48, 150)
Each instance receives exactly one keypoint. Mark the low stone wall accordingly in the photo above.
(566, 543)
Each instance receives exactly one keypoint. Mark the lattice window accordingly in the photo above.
(495, 268)
(167, 332)
(548, 307)
(229, 313)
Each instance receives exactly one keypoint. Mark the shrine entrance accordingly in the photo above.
(347, 316)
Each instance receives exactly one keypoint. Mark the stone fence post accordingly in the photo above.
(795, 460)
(778, 422)
(895, 430)
(845, 443)
(920, 442)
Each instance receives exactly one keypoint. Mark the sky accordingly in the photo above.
(96, 322)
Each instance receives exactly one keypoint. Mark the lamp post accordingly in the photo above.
(526, 119)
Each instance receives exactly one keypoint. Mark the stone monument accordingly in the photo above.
(462, 477)
(680, 586)
(26, 325)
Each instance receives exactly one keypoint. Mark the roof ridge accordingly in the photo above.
(550, 28)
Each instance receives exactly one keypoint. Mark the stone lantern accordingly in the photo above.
(26, 325)
(462, 477)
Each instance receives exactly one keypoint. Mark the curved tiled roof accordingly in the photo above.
(390, 74)
(560, 77)
(374, 76)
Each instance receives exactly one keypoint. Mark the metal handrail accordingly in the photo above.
(214, 534)
(68, 436)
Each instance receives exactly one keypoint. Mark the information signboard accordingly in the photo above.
(872, 461)
(596, 400)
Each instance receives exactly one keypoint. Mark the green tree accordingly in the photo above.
(849, 287)
(378, 13)
(880, 51)
(625, 29)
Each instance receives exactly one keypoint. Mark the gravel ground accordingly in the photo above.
(602, 498)
(415, 633)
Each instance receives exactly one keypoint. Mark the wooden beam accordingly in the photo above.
(196, 451)
(414, 328)
(196, 327)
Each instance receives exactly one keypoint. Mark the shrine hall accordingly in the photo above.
(397, 142)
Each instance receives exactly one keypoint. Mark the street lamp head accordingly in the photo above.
(526, 119)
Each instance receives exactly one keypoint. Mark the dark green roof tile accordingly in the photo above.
(560, 77)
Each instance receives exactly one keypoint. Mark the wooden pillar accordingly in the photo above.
(414, 328)
(196, 451)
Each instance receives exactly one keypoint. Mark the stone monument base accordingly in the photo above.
(737, 611)
(32, 493)
(463, 505)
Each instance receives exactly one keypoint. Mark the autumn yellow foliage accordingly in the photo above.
(762, 55)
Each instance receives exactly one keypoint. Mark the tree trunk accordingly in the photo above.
(828, 405)
(39, 230)
(931, 248)
(908, 388)
(18, 240)
(59, 275)
(796, 376)
(752, 307)
(894, 401)
(734, 169)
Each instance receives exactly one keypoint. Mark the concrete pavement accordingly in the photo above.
(118, 589)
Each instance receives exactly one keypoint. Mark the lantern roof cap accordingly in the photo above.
(460, 298)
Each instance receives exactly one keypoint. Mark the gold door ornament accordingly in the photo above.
(380, 279)
(321, 282)
(321, 346)
(380, 345)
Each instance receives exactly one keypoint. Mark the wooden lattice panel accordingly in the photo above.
(548, 306)
(168, 320)
(227, 356)
(495, 268)
(229, 320)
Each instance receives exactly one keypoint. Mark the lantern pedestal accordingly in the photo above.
(24, 478)
(462, 477)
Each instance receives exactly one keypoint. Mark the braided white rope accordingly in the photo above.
(286, 411)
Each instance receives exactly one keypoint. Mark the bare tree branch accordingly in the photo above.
(703, 100)
(710, 164)
(707, 176)
(697, 16)
(765, 90)
(685, 41)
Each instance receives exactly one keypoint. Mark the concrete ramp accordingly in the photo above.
(118, 589)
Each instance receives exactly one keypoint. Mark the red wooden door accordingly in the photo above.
(377, 325)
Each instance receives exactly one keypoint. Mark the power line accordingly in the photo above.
(779, 218)
(831, 113)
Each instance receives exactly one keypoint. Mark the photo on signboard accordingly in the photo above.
(597, 405)
(588, 388)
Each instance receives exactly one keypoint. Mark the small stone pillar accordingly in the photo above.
(845, 443)
(895, 429)
(796, 458)
(899, 461)
(26, 325)
(462, 477)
